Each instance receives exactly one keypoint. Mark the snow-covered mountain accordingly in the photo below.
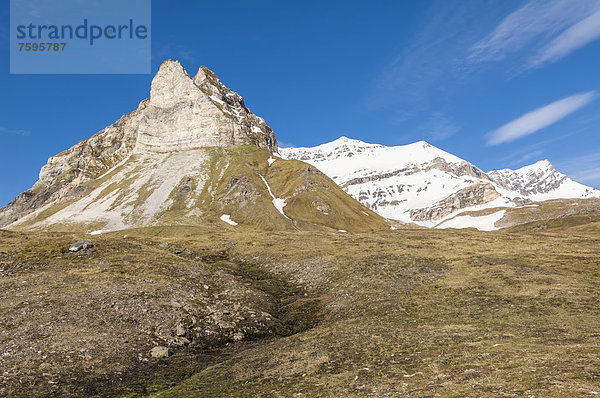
(541, 181)
(423, 184)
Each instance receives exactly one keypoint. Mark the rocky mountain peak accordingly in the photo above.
(342, 140)
(182, 114)
(539, 166)
(423, 144)
(541, 181)
(207, 81)
(188, 113)
(171, 85)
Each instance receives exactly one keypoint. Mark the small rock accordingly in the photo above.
(164, 244)
(160, 352)
(81, 245)
(183, 341)
(180, 330)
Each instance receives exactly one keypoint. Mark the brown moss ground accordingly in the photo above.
(398, 313)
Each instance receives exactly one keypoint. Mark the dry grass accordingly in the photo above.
(398, 313)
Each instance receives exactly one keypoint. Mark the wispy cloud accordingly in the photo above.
(575, 37)
(526, 158)
(424, 64)
(533, 152)
(439, 127)
(544, 30)
(4, 130)
(538, 119)
(589, 176)
(583, 168)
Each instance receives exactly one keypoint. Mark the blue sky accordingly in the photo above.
(498, 83)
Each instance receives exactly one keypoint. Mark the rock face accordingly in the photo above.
(66, 174)
(185, 113)
(181, 114)
(422, 184)
(474, 195)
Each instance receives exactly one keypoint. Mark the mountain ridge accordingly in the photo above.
(423, 184)
(164, 163)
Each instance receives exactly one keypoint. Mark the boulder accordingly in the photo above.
(81, 245)
(160, 352)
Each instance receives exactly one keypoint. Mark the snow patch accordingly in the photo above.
(277, 202)
(99, 232)
(498, 202)
(226, 218)
(271, 160)
(218, 100)
(482, 223)
(526, 206)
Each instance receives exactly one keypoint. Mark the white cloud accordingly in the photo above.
(534, 151)
(424, 65)
(13, 132)
(575, 37)
(547, 30)
(589, 176)
(539, 118)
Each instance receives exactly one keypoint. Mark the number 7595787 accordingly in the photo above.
(40, 47)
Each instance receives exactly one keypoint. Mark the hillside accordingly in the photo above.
(530, 216)
(280, 314)
(246, 184)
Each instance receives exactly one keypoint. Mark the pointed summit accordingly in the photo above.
(185, 113)
(540, 164)
(207, 81)
(210, 83)
(182, 114)
(168, 163)
(171, 85)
